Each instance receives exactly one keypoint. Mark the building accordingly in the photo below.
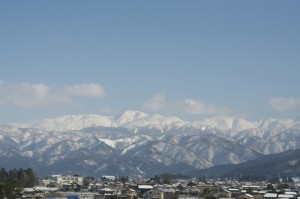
(60, 180)
(144, 188)
(270, 195)
(107, 178)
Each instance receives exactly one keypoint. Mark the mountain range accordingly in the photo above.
(279, 165)
(136, 143)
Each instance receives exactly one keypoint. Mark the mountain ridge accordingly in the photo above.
(136, 119)
(139, 143)
(284, 164)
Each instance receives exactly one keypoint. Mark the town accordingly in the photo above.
(163, 186)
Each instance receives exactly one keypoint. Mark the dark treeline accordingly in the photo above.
(13, 181)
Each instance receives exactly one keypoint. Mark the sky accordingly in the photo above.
(191, 59)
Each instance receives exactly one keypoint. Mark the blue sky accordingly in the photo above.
(193, 59)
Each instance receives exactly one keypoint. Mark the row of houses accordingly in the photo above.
(109, 187)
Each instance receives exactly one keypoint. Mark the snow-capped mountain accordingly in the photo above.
(129, 119)
(137, 119)
(226, 124)
(71, 122)
(138, 143)
(129, 116)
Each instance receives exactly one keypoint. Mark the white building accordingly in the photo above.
(69, 179)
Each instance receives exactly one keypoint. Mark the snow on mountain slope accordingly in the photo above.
(167, 153)
(228, 124)
(266, 129)
(156, 121)
(108, 142)
(152, 143)
(157, 124)
(72, 122)
(129, 116)
(275, 125)
(137, 120)
(129, 119)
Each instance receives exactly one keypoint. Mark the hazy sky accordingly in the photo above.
(193, 59)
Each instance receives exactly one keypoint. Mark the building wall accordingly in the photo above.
(69, 179)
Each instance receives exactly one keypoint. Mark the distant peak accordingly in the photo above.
(129, 116)
(132, 114)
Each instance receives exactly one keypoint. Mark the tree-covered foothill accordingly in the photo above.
(13, 181)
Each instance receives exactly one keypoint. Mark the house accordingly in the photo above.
(46, 182)
(46, 189)
(107, 178)
(168, 193)
(70, 186)
(223, 194)
(284, 196)
(291, 193)
(106, 191)
(250, 188)
(270, 195)
(109, 196)
(161, 193)
(97, 186)
(155, 194)
(245, 196)
(144, 188)
(29, 192)
(187, 197)
(36, 191)
(235, 192)
(131, 193)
